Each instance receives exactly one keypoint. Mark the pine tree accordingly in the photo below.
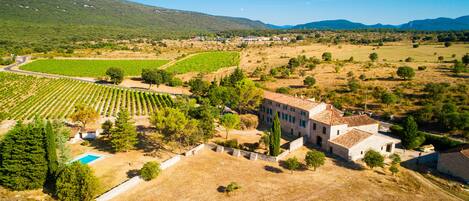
(124, 135)
(23, 163)
(51, 153)
(274, 146)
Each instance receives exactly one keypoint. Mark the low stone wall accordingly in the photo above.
(195, 150)
(170, 162)
(296, 144)
(247, 154)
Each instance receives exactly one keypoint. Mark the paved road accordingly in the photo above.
(20, 60)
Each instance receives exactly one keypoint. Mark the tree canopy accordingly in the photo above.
(406, 72)
(124, 134)
(76, 182)
(115, 74)
(84, 114)
(373, 159)
(315, 159)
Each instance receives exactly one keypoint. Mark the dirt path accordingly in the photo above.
(172, 62)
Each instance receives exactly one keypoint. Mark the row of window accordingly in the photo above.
(285, 107)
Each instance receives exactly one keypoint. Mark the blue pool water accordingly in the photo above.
(88, 159)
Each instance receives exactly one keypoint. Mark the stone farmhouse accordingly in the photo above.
(349, 137)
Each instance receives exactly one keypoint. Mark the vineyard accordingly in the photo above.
(24, 97)
(206, 62)
(90, 68)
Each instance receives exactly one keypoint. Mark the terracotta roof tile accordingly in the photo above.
(359, 120)
(330, 116)
(290, 100)
(351, 138)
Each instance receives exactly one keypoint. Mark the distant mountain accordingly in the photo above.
(272, 26)
(439, 24)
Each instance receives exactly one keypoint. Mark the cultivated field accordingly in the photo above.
(23, 97)
(203, 176)
(206, 62)
(90, 68)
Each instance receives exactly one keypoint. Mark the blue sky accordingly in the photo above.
(283, 12)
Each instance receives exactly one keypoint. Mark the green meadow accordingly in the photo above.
(90, 68)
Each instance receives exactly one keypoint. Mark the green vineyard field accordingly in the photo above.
(90, 68)
(23, 97)
(206, 62)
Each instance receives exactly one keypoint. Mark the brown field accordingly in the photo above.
(201, 177)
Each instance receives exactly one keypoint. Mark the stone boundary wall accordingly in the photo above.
(134, 181)
(195, 150)
(296, 144)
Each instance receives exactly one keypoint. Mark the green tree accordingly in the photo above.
(84, 115)
(23, 162)
(198, 86)
(293, 63)
(353, 85)
(150, 170)
(448, 44)
(51, 153)
(276, 134)
(315, 159)
(115, 74)
(327, 56)
(248, 96)
(465, 59)
(230, 122)
(410, 136)
(292, 164)
(107, 126)
(309, 81)
(151, 76)
(76, 182)
(373, 56)
(373, 159)
(124, 135)
(265, 140)
(389, 98)
(237, 76)
(406, 72)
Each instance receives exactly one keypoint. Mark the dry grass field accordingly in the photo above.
(203, 176)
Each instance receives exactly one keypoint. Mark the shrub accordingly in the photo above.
(327, 56)
(394, 170)
(283, 90)
(233, 186)
(396, 159)
(409, 59)
(422, 68)
(373, 56)
(292, 164)
(249, 121)
(229, 143)
(415, 45)
(373, 159)
(150, 170)
(309, 81)
(448, 44)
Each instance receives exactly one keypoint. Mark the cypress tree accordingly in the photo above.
(410, 133)
(23, 163)
(274, 146)
(51, 153)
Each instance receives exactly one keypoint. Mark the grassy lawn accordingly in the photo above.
(90, 68)
(206, 62)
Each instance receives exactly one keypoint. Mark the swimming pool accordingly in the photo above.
(87, 158)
